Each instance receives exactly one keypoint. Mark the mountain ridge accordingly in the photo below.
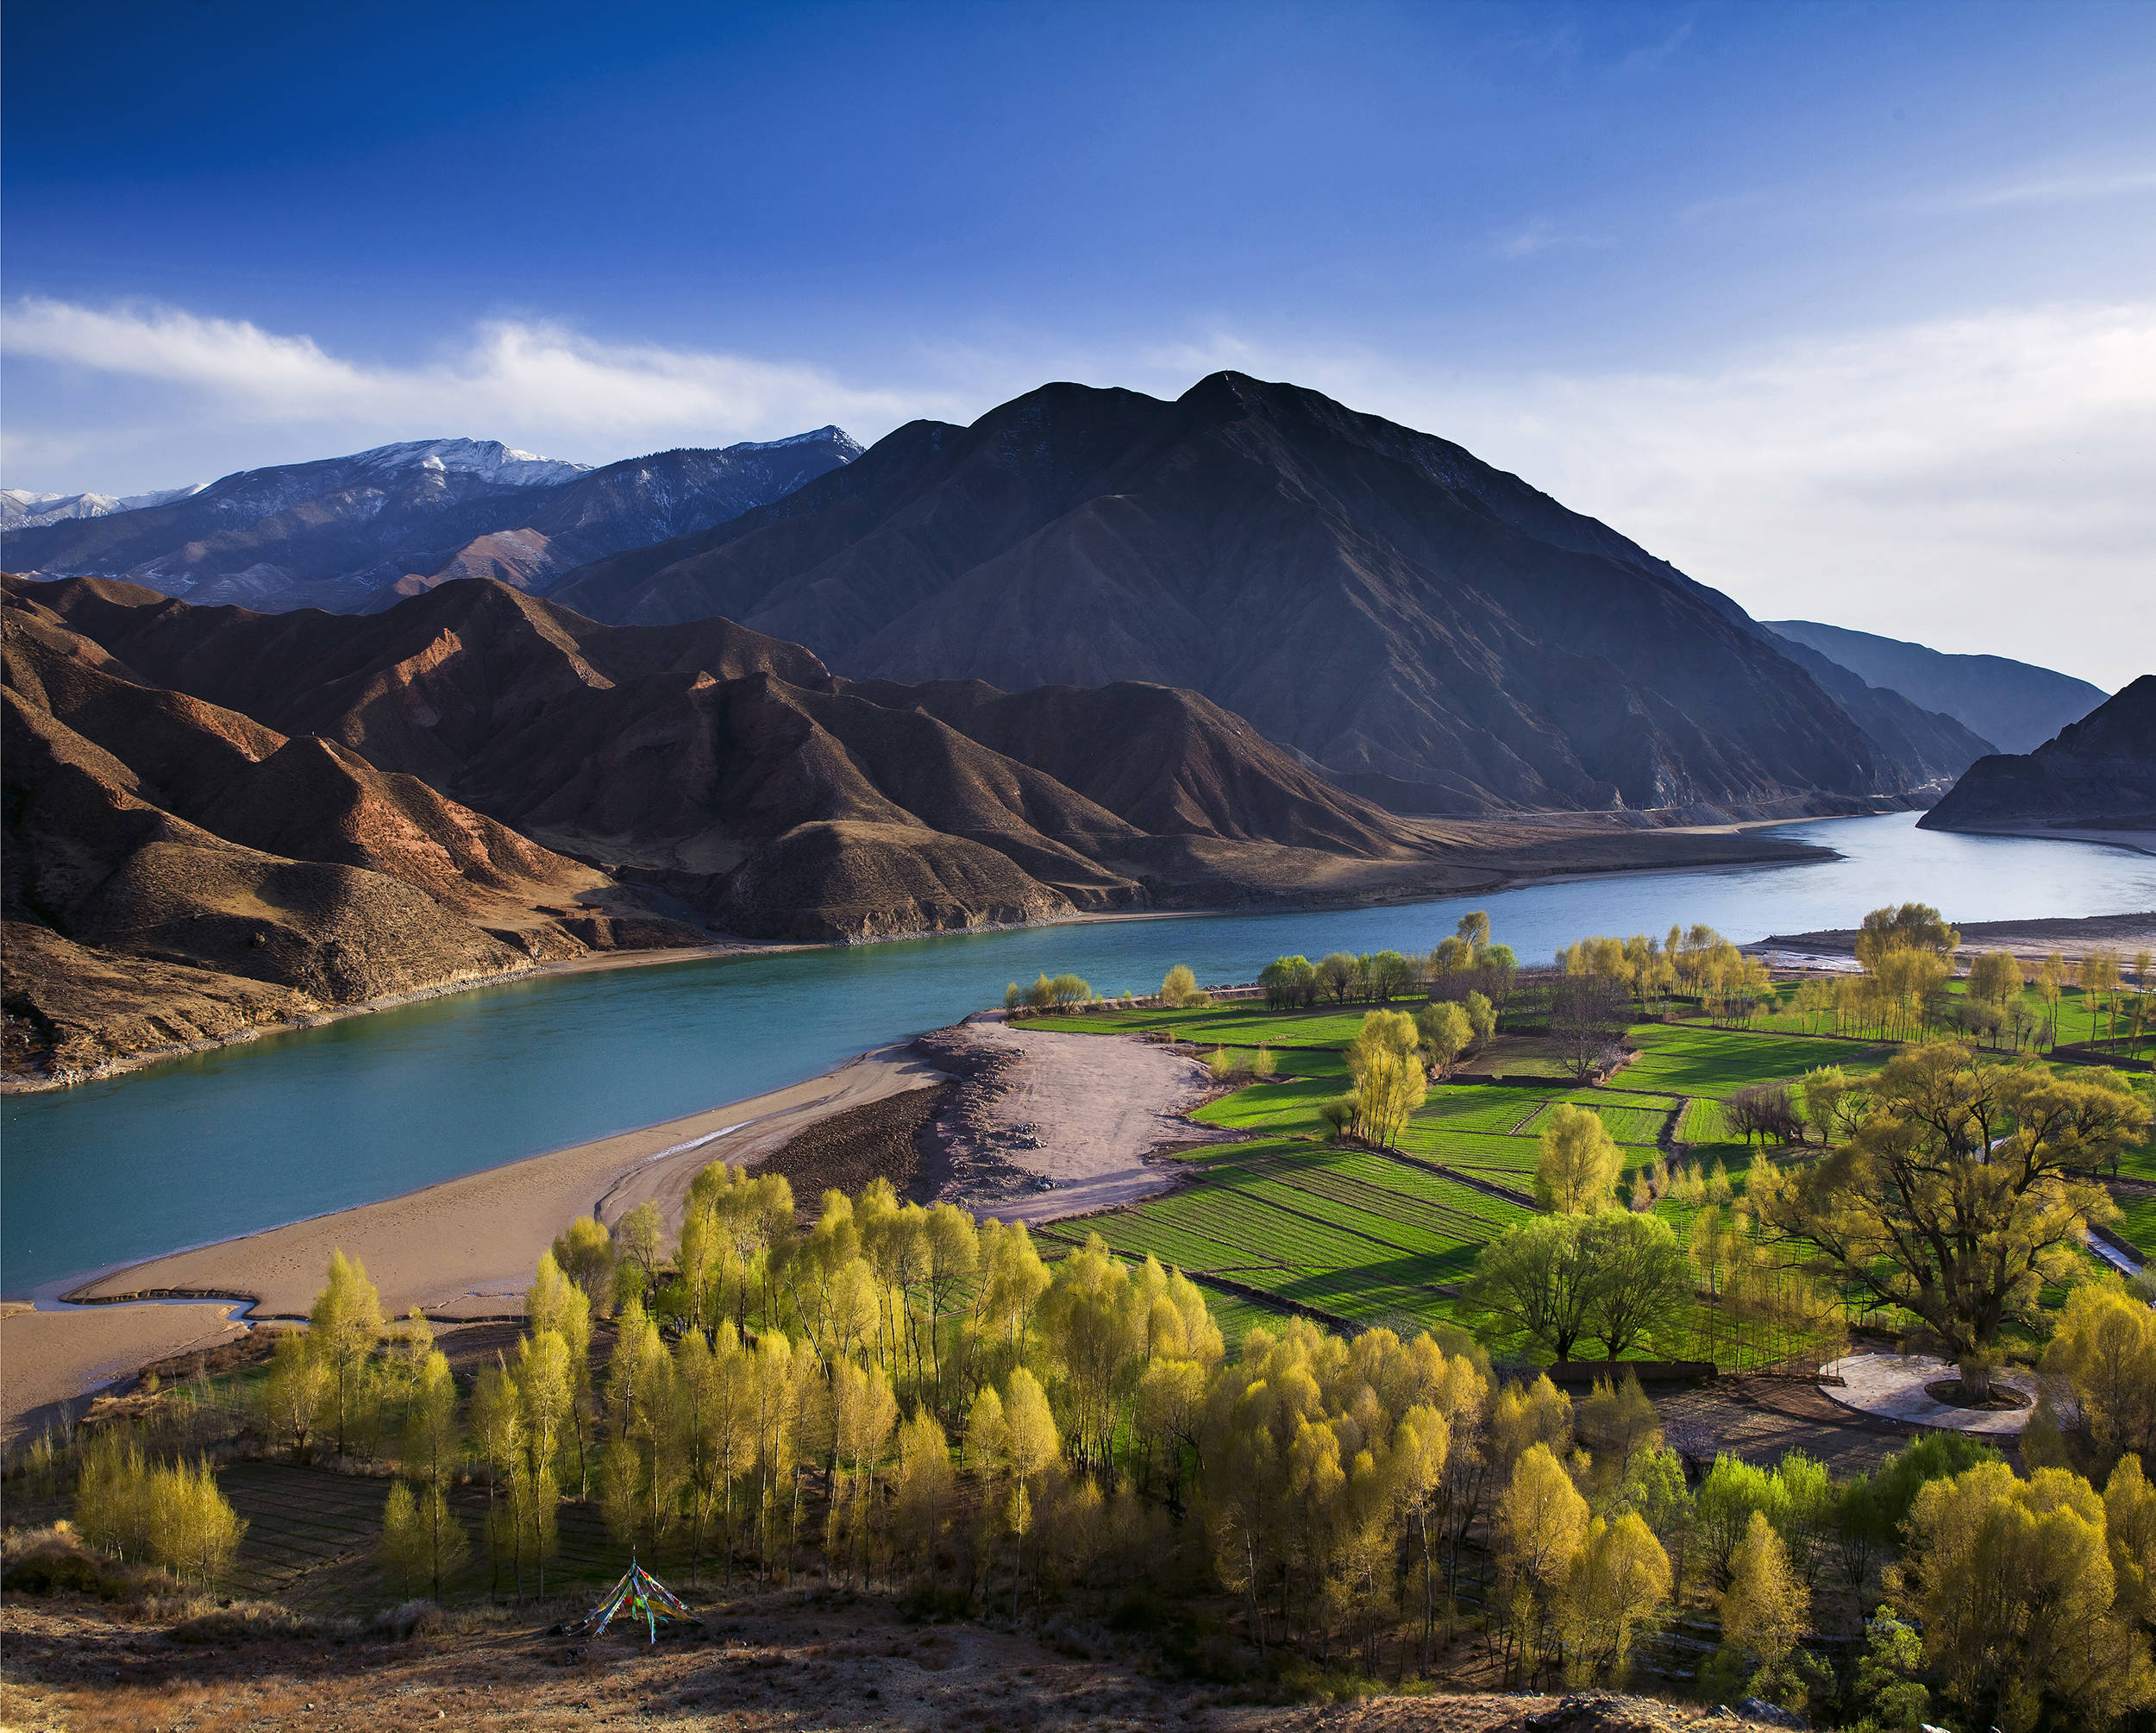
(361, 531)
(1373, 597)
(2015, 705)
(2097, 774)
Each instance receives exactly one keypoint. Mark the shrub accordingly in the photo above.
(1339, 1113)
(1178, 988)
(1263, 1063)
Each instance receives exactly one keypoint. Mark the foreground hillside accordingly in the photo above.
(1430, 628)
(783, 1660)
(218, 820)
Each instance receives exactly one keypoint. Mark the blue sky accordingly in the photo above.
(1851, 310)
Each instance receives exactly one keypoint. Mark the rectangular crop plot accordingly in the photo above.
(1476, 1107)
(1688, 1060)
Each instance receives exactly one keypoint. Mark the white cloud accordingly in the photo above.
(1539, 236)
(511, 379)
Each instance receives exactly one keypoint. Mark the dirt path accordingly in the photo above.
(1084, 1113)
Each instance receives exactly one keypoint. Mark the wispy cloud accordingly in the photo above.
(1650, 56)
(510, 377)
(1541, 236)
(2075, 188)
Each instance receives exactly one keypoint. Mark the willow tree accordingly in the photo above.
(1385, 1059)
(1962, 1194)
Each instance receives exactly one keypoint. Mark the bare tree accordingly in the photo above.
(1587, 1015)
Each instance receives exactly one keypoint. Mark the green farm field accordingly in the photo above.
(1360, 1236)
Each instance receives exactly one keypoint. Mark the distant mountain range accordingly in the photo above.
(2099, 774)
(2011, 704)
(1433, 633)
(349, 534)
(24, 510)
(1422, 630)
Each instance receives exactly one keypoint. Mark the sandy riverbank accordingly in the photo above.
(1083, 1112)
(463, 1248)
(1088, 1114)
(2031, 940)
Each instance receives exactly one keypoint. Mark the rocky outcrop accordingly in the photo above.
(2099, 774)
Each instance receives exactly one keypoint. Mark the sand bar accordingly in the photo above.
(1088, 1114)
(49, 1359)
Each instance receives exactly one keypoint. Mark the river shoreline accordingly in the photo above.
(462, 1251)
(459, 1250)
(30, 1083)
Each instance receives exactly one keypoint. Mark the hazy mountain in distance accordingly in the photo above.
(20, 509)
(1926, 746)
(1432, 632)
(2013, 705)
(345, 533)
(2097, 773)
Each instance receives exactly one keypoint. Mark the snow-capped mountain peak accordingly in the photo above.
(19, 509)
(487, 460)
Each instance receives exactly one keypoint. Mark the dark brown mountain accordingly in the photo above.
(174, 870)
(1423, 626)
(731, 771)
(217, 818)
(2098, 774)
(361, 531)
(1923, 749)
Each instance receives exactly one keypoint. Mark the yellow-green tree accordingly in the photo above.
(1179, 987)
(2104, 1347)
(1912, 926)
(342, 1330)
(1765, 1606)
(1576, 1163)
(1030, 1447)
(1961, 1195)
(401, 1553)
(1385, 1060)
(921, 1504)
(1541, 1526)
(584, 1251)
(1446, 1033)
(194, 1531)
(292, 1395)
(1615, 1591)
(2014, 1583)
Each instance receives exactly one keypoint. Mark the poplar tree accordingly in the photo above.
(342, 1330)
(1576, 1167)
(1764, 1607)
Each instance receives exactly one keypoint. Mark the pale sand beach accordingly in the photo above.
(464, 1248)
(1100, 1106)
(49, 1357)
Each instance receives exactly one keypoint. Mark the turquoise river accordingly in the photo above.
(294, 1125)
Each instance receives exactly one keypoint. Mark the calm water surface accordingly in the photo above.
(201, 1148)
